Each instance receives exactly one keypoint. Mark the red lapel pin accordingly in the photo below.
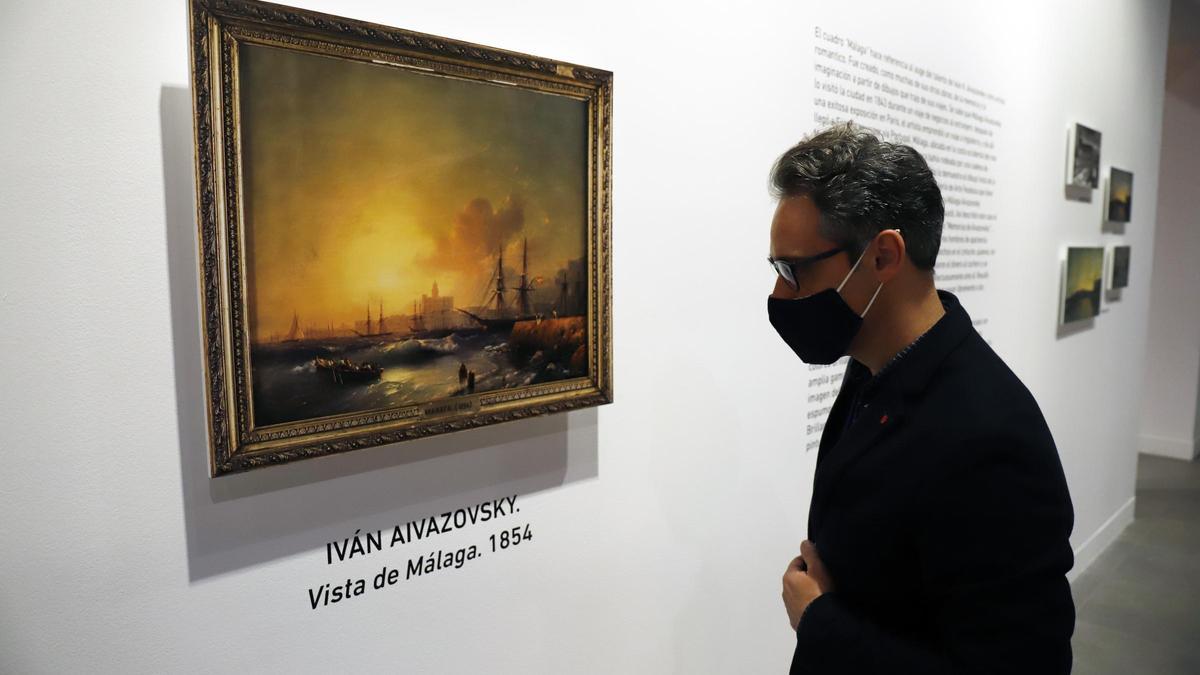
(883, 420)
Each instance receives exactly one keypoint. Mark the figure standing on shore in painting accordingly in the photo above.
(471, 382)
(462, 373)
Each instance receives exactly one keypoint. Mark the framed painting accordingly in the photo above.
(1082, 281)
(1083, 157)
(1118, 267)
(1120, 195)
(400, 234)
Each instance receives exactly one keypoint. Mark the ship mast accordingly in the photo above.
(294, 333)
(368, 317)
(500, 282)
(417, 322)
(524, 288)
(381, 328)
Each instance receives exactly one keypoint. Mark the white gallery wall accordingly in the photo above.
(663, 522)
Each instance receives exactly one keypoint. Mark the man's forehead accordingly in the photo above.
(798, 213)
(795, 229)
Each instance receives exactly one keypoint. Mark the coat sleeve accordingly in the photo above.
(993, 549)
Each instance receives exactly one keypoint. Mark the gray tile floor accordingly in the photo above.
(1138, 606)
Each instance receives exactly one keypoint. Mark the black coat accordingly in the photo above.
(942, 515)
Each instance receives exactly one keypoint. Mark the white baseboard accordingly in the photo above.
(1175, 448)
(1106, 534)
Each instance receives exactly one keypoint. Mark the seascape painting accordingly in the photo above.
(1120, 195)
(401, 235)
(1082, 284)
(409, 237)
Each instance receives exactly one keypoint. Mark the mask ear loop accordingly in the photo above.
(852, 268)
(851, 273)
(868, 307)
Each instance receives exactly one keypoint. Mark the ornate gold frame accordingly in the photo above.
(215, 29)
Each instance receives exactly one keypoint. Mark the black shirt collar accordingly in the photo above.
(911, 367)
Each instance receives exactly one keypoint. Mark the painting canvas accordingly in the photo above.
(1118, 274)
(1120, 195)
(1082, 283)
(410, 237)
(1083, 157)
(419, 244)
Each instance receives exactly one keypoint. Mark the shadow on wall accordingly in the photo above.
(247, 519)
(1065, 330)
(1077, 194)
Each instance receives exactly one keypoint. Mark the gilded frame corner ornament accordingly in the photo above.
(216, 27)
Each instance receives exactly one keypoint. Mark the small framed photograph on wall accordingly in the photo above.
(1083, 279)
(1119, 204)
(1118, 267)
(1083, 157)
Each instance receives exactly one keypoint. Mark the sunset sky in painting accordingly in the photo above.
(366, 182)
(1120, 185)
(1084, 267)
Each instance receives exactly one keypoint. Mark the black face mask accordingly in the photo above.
(818, 327)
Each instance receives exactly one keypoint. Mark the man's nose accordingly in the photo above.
(782, 289)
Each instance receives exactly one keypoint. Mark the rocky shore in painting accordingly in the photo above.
(559, 340)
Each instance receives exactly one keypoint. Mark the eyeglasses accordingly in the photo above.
(788, 267)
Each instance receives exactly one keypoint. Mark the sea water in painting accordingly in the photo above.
(409, 237)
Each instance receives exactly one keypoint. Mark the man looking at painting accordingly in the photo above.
(940, 516)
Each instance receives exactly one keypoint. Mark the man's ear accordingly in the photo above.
(889, 254)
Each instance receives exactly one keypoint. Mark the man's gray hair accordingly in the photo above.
(862, 186)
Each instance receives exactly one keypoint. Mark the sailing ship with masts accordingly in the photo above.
(295, 333)
(380, 329)
(419, 330)
(502, 313)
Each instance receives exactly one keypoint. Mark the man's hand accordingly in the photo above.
(804, 580)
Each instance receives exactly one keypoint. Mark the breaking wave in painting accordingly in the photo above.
(288, 385)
